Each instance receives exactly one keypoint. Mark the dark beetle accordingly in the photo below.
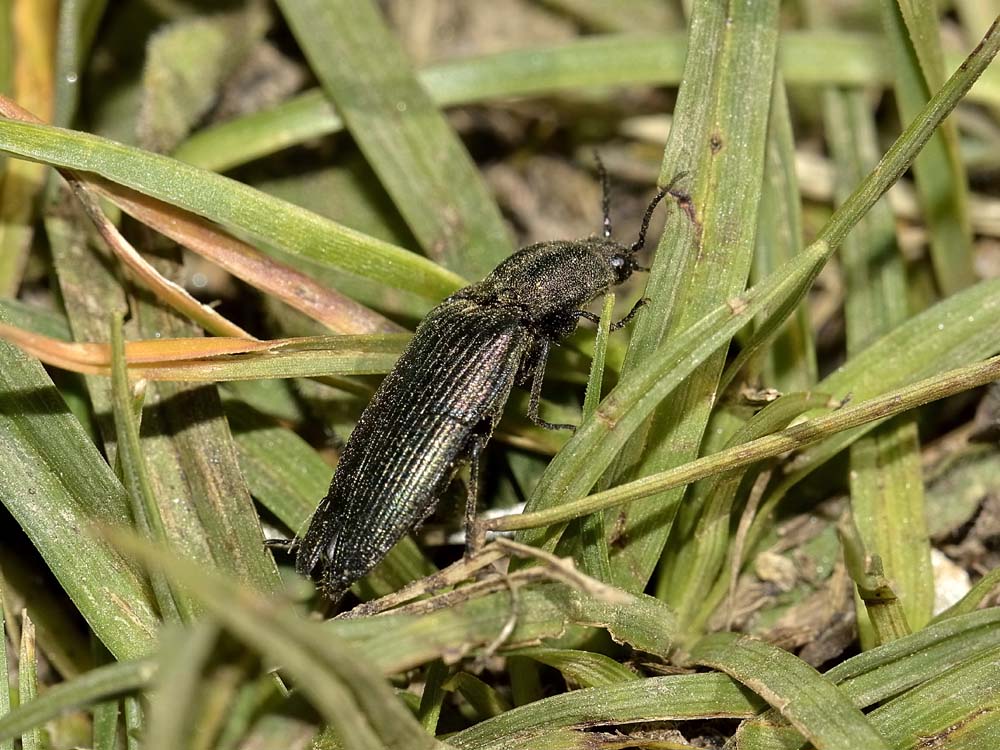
(441, 402)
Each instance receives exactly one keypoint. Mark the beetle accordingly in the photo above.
(438, 407)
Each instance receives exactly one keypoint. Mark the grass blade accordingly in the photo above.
(86, 690)
(230, 203)
(914, 43)
(886, 484)
(57, 486)
(409, 144)
(718, 135)
(809, 701)
(674, 698)
(806, 57)
(173, 605)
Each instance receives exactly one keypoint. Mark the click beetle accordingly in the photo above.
(439, 405)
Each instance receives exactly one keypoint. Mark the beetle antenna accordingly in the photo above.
(605, 194)
(662, 193)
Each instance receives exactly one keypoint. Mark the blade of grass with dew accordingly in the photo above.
(231, 204)
(411, 147)
(675, 698)
(691, 568)
(913, 36)
(88, 689)
(807, 58)
(27, 681)
(356, 700)
(789, 363)
(888, 671)
(887, 499)
(291, 489)
(173, 605)
(808, 700)
(589, 538)
(33, 27)
(718, 135)
(584, 668)
(58, 487)
(78, 22)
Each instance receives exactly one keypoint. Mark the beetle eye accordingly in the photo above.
(617, 262)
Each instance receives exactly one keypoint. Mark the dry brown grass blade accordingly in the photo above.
(337, 312)
(334, 310)
(167, 291)
(95, 358)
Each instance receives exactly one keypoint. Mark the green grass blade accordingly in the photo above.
(483, 699)
(718, 136)
(177, 698)
(410, 146)
(853, 420)
(78, 22)
(397, 642)
(173, 605)
(86, 690)
(591, 537)
(584, 668)
(232, 204)
(808, 700)
(913, 36)
(691, 568)
(341, 683)
(788, 363)
(958, 709)
(58, 487)
(192, 461)
(806, 57)
(105, 721)
(886, 483)
(890, 670)
(674, 698)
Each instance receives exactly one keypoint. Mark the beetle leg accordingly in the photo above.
(596, 319)
(639, 304)
(618, 324)
(536, 389)
(282, 545)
